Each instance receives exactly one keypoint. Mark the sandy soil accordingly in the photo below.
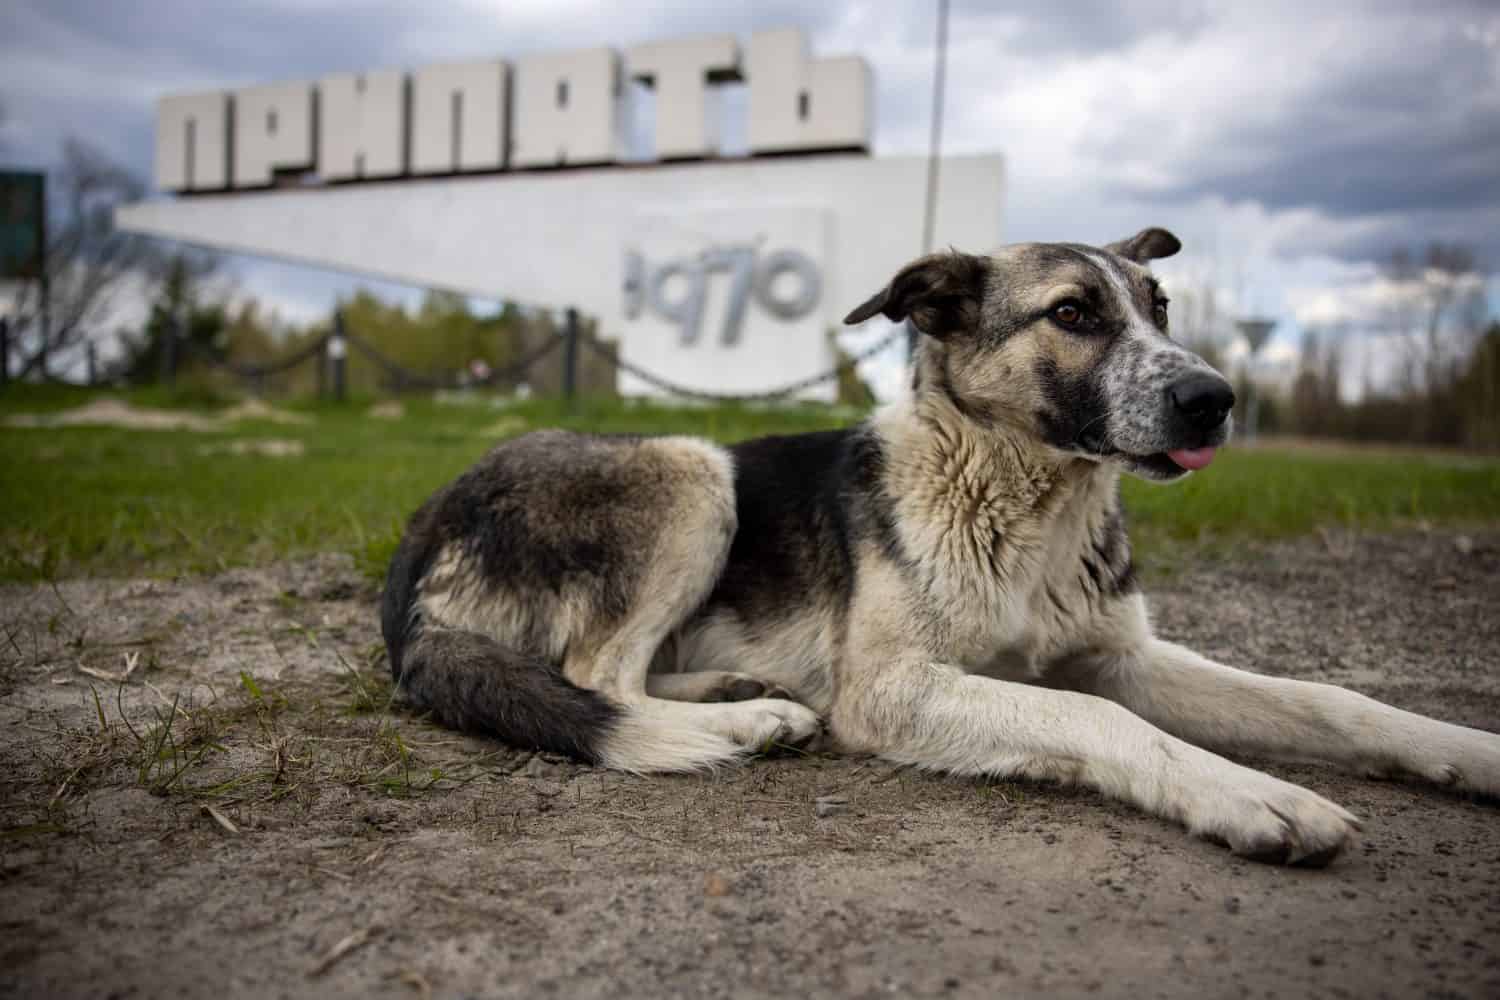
(108, 412)
(288, 841)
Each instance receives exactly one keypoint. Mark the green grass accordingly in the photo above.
(113, 501)
(1272, 492)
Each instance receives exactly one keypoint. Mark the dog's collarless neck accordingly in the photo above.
(956, 479)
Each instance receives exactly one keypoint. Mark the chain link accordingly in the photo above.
(404, 376)
(254, 371)
(791, 388)
(517, 369)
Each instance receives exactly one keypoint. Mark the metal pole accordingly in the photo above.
(46, 325)
(43, 277)
(934, 146)
(1252, 411)
(338, 355)
(320, 372)
(4, 349)
(1256, 332)
(91, 362)
(176, 327)
(570, 355)
(936, 142)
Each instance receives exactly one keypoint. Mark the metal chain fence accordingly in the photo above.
(765, 395)
(304, 353)
(331, 346)
(406, 378)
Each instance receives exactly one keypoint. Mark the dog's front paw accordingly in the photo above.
(1455, 757)
(1269, 820)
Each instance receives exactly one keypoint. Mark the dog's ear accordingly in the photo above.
(1148, 244)
(940, 293)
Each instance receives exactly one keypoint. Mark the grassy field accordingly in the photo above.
(93, 500)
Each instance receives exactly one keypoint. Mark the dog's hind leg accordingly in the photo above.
(657, 732)
(1216, 706)
(528, 600)
(696, 523)
(712, 686)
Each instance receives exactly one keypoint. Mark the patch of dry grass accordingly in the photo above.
(251, 745)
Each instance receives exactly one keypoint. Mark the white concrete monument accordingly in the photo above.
(566, 109)
(800, 103)
(273, 131)
(680, 72)
(360, 132)
(192, 143)
(458, 117)
(724, 273)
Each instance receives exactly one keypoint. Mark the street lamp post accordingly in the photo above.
(1256, 332)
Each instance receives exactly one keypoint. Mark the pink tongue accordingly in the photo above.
(1192, 458)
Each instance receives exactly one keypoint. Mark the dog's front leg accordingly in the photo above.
(1216, 706)
(939, 717)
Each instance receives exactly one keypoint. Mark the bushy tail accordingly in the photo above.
(471, 682)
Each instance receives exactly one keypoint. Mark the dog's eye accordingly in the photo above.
(1068, 314)
(1159, 313)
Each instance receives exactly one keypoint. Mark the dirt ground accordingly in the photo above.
(285, 836)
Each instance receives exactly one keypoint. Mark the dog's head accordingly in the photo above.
(1070, 344)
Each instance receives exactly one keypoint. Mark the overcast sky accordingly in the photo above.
(1290, 145)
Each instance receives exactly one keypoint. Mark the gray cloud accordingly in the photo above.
(1328, 129)
(1382, 117)
(1047, 28)
(1418, 131)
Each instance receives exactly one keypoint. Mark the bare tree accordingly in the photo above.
(1316, 397)
(1438, 308)
(1199, 321)
(86, 258)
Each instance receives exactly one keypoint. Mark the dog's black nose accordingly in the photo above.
(1203, 400)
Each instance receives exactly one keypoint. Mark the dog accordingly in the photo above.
(948, 584)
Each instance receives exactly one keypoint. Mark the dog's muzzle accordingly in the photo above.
(1199, 404)
(1201, 401)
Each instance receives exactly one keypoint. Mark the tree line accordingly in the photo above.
(1434, 318)
(1437, 329)
(1430, 322)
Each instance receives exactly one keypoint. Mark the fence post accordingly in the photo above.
(570, 356)
(91, 362)
(4, 349)
(46, 304)
(169, 349)
(338, 355)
